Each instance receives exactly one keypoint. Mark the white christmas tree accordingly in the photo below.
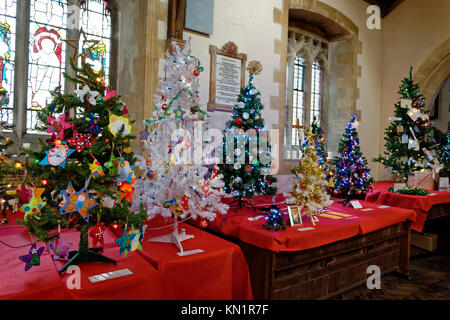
(176, 183)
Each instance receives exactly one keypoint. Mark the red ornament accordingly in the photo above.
(124, 110)
(247, 168)
(164, 106)
(238, 120)
(204, 224)
(196, 72)
(97, 234)
(268, 182)
(107, 140)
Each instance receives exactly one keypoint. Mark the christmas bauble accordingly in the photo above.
(247, 168)
(245, 115)
(238, 120)
(196, 72)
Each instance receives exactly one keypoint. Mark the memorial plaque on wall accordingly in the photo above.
(227, 76)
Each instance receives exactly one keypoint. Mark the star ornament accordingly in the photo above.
(65, 194)
(96, 169)
(34, 207)
(60, 249)
(81, 203)
(117, 122)
(80, 141)
(58, 125)
(125, 242)
(93, 123)
(57, 156)
(86, 92)
(109, 94)
(179, 113)
(33, 257)
(125, 171)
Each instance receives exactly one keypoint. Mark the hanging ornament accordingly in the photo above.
(204, 223)
(179, 113)
(60, 249)
(80, 141)
(65, 194)
(245, 115)
(185, 202)
(97, 234)
(86, 91)
(58, 126)
(109, 94)
(93, 123)
(57, 156)
(81, 203)
(96, 169)
(125, 111)
(34, 207)
(33, 257)
(126, 191)
(125, 171)
(127, 149)
(136, 243)
(205, 187)
(125, 242)
(238, 120)
(107, 202)
(117, 122)
(111, 165)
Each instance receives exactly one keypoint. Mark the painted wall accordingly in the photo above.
(411, 32)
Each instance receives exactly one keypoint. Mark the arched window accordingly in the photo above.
(316, 91)
(95, 20)
(7, 58)
(46, 58)
(48, 23)
(298, 102)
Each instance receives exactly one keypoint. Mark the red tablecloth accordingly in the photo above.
(326, 231)
(420, 204)
(220, 272)
(39, 282)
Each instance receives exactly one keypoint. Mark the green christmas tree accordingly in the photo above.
(84, 173)
(246, 170)
(409, 138)
(6, 167)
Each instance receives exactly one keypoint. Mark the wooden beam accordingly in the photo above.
(175, 22)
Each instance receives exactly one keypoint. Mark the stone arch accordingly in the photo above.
(344, 49)
(434, 71)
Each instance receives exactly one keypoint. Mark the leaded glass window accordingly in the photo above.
(46, 55)
(298, 106)
(7, 58)
(316, 88)
(96, 23)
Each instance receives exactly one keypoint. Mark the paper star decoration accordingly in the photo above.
(96, 169)
(97, 234)
(33, 257)
(126, 191)
(34, 207)
(80, 141)
(117, 122)
(111, 164)
(136, 244)
(60, 249)
(179, 113)
(57, 156)
(58, 126)
(125, 242)
(93, 122)
(81, 203)
(86, 91)
(65, 194)
(107, 202)
(125, 171)
(109, 94)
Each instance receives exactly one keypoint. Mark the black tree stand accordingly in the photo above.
(84, 253)
(241, 202)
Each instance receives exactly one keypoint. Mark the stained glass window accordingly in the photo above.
(316, 86)
(46, 55)
(7, 57)
(96, 23)
(298, 105)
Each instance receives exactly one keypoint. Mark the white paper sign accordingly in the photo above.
(356, 204)
(228, 80)
(305, 229)
(110, 275)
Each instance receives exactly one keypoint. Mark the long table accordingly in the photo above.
(322, 260)
(429, 207)
(157, 272)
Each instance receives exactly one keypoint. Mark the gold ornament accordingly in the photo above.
(254, 67)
